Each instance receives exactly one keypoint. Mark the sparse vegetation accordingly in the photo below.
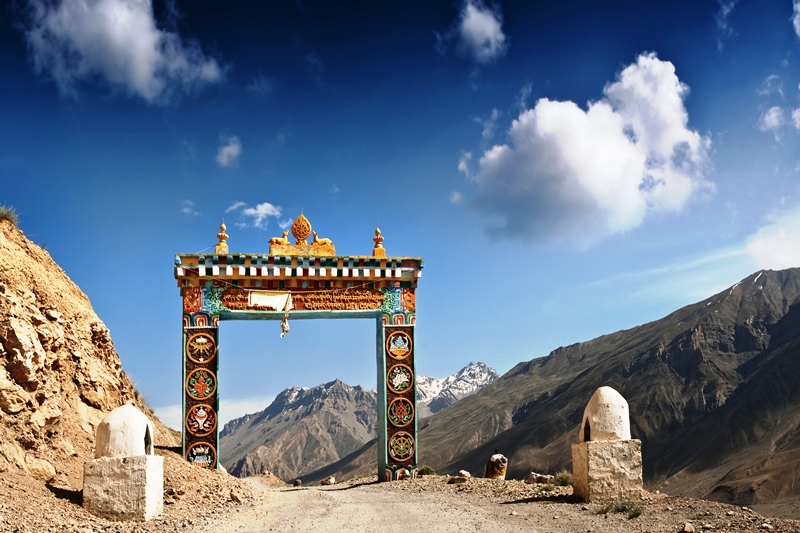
(426, 470)
(563, 478)
(548, 488)
(7, 212)
(620, 506)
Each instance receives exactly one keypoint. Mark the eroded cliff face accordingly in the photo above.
(59, 372)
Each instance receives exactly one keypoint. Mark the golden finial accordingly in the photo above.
(301, 229)
(379, 250)
(222, 246)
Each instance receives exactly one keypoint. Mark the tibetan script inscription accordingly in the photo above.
(351, 299)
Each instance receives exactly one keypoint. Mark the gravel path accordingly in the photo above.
(364, 507)
(433, 504)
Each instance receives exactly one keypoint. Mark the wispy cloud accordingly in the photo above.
(315, 67)
(463, 163)
(188, 208)
(261, 85)
(229, 151)
(584, 175)
(524, 94)
(257, 216)
(724, 30)
(775, 245)
(772, 120)
(772, 85)
(456, 197)
(489, 124)
(772, 246)
(334, 189)
(796, 16)
(477, 33)
(238, 204)
(117, 41)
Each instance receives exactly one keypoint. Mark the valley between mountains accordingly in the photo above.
(713, 390)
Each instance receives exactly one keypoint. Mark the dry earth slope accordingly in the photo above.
(59, 376)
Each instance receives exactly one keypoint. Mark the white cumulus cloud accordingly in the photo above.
(587, 174)
(775, 245)
(117, 41)
(229, 151)
(477, 32)
(481, 31)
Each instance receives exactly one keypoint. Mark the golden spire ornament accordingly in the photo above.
(222, 246)
(301, 229)
(378, 250)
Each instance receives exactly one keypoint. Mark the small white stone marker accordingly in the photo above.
(606, 462)
(125, 481)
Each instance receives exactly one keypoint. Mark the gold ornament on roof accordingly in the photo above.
(301, 229)
(222, 246)
(378, 250)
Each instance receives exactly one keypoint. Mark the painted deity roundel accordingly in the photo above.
(400, 412)
(399, 379)
(201, 420)
(398, 345)
(401, 446)
(201, 347)
(202, 454)
(201, 384)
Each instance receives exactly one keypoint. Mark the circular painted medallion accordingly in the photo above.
(201, 420)
(202, 454)
(201, 384)
(201, 347)
(398, 345)
(401, 412)
(399, 378)
(401, 446)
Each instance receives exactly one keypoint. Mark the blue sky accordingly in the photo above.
(566, 169)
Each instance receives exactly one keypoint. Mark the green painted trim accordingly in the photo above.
(380, 356)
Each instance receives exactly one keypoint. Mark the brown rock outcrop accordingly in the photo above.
(59, 372)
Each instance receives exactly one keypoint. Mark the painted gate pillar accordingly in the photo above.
(397, 403)
(301, 281)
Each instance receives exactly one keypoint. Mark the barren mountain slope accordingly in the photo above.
(304, 430)
(713, 390)
(59, 373)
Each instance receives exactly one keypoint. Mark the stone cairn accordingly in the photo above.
(125, 481)
(606, 462)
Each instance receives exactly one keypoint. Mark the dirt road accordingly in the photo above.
(364, 508)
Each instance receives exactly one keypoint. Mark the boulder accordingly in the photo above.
(464, 473)
(533, 478)
(496, 467)
(330, 480)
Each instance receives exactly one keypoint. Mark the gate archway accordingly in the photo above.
(301, 281)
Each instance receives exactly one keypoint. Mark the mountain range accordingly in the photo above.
(305, 429)
(713, 390)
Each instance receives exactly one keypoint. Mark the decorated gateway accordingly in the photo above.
(303, 280)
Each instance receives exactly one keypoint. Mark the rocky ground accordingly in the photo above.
(214, 501)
